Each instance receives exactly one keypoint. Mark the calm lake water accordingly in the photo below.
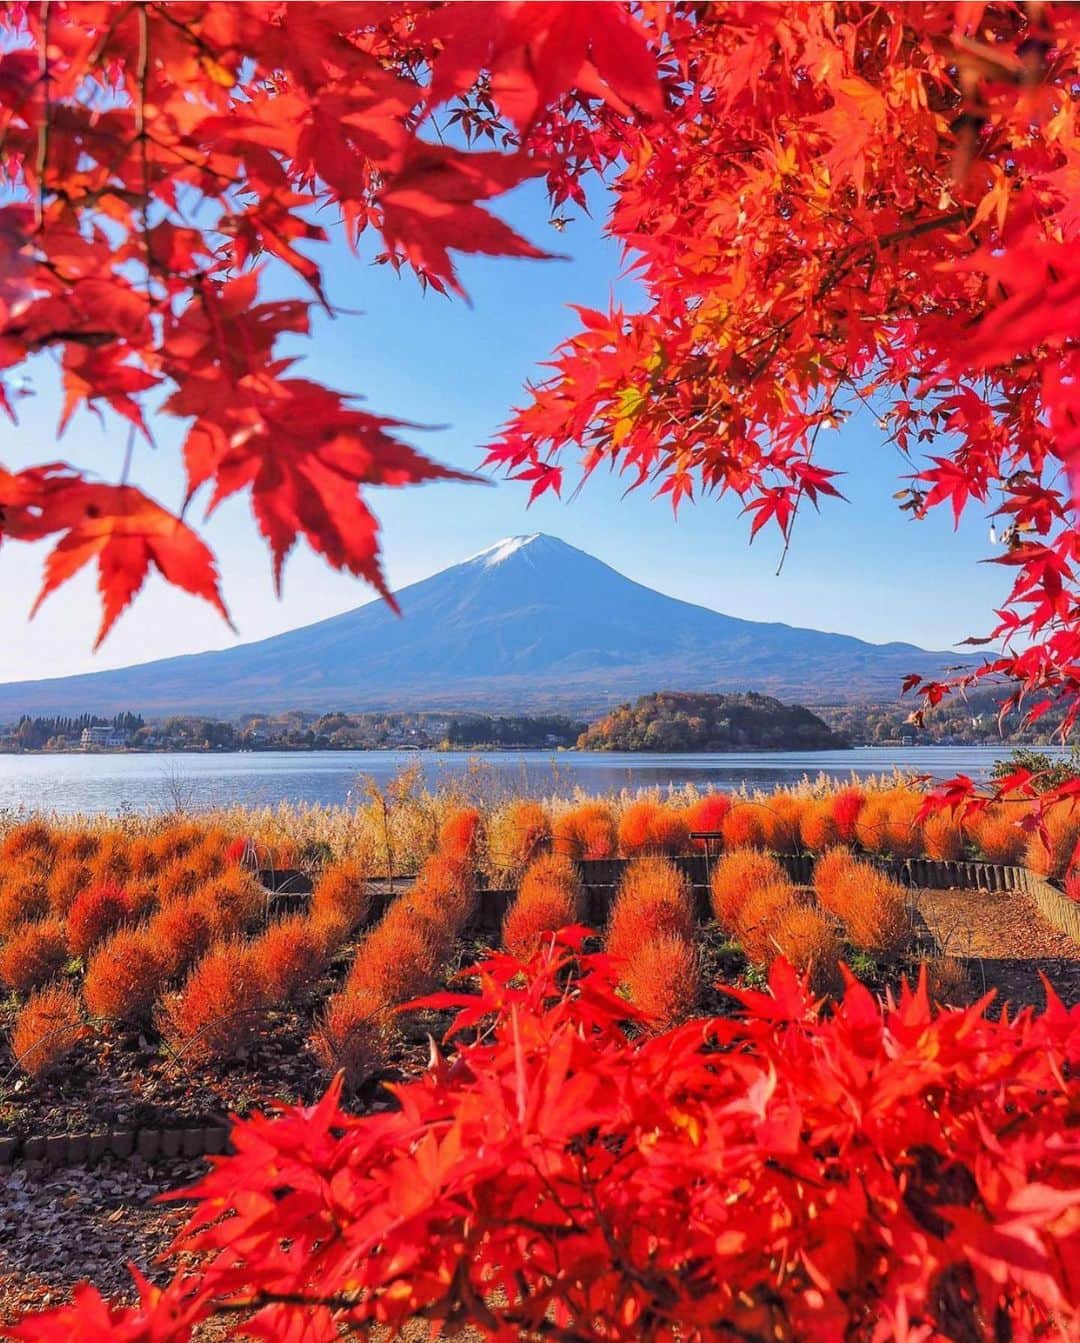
(113, 783)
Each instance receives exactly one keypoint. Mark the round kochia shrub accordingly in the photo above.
(461, 835)
(663, 978)
(943, 837)
(587, 831)
(95, 913)
(735, 876)
(706, 816)
(818, 827)
(234, 902)
(342, 890)
(24, 897)
(1051, 849)
(806, 938)
(33, 954)
(887, 824)
(744, 826)
(111, 862)
(846, 805)
(760, 916)
(82, 845)
(67, 880)
(516, 834)
(28, 838)
(354, 1036)
(998, 835)
(289, 956)
(444, 895)
(218, 1009)
(830, 869)
(125, 975)
(46, 1029)
(922, 1162)
(550, 897)
(647, 827)
(181, 932)
(780, 822)
(398, 960)
(653, 898)
(872, 908)
(635, 825)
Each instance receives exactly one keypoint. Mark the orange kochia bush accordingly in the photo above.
(586, 831)
(33, 954)
(94, 914)
(550, 897)
(653, 898)
(46, 1029)
(827, 1176)
(517, 833)
(647, 827)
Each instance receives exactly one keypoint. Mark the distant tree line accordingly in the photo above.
(664, 721)
(519, 730)
(969, 721)
(298, 731)
(32, 734)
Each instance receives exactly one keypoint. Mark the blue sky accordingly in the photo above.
(861, 568)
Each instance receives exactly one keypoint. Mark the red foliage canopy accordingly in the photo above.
(158, 154)
(885, 1173)
(826, 205)
(851, 203)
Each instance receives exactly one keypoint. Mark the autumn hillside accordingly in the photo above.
(678, 721)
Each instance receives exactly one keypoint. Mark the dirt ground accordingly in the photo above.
(1004, 942)
(61, 1227)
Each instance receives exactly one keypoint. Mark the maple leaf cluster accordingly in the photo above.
(887, 1172)
(159, 155)
(850, 205)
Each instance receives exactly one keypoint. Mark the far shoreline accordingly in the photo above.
(481, 749)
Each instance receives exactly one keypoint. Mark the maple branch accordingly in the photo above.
(45, 78)
(129, 452)
(800, 490)
(141, 76)
(198, 42)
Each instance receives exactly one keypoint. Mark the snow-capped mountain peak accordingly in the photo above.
(530, 624)
(502, 550)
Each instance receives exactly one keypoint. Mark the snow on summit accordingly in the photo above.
(502, 550)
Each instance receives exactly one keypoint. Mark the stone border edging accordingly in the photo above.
(79, 1149)
(1055, 907)
(602, 876)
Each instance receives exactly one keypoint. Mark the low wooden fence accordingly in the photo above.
(290, 889)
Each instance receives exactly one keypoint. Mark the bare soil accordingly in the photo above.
(1005, 944)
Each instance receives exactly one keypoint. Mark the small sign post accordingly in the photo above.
(708, 838)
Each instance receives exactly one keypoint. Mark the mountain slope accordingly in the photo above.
(529, 622)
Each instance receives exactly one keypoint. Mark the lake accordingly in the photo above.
(153, 782)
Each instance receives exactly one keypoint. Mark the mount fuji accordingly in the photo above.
(530, 623)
